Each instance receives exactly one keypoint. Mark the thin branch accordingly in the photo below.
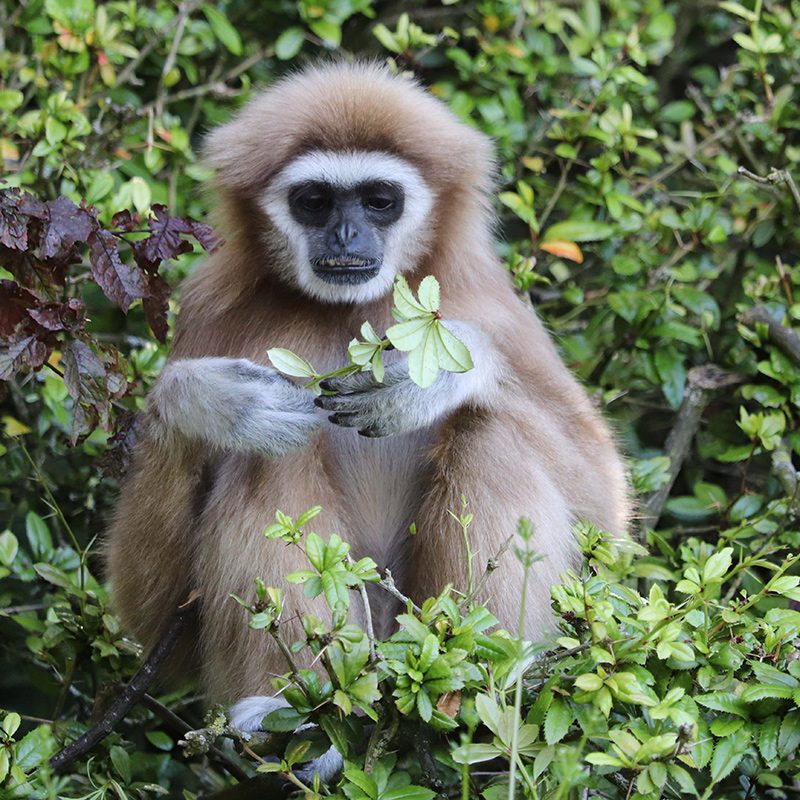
(217, 86)
(781, 336)
(127, 74)
(294, 669)
(180, 727)
(559, 190)
(134, 691)
(672, 168)
(788, 476)
(387, 583)
(701, 384)
(491, 566)
(367, 615)
(184, 9)
(776, 177)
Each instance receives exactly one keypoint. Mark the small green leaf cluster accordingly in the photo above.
(669, 691)
(419, 331)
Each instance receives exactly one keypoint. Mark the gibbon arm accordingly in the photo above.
(199, 406)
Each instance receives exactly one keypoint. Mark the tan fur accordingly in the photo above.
(536, 448)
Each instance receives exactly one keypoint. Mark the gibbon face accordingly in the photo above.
(352, 221)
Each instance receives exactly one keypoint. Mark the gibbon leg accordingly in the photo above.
(149, 545)
(490, 465)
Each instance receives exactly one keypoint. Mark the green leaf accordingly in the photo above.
(55, 576)
(557, 721)
(282, 720)
(409, 792)
(35, 748)
(423, 361)
(327, 30)
(10, 99)
(475, 753)
(453, 354)
(578, 230)
(428, 293)
(430, 649)
(39, 537)
(287, 362)
(9, 546)
(365, 689)
(223, 29)
(378, 369)
(315, 550)
(424, 705)
(406, 336)
(489, 713)
(789, 737)
(717, 565)
(11, 723)
(739, 10)
(55, 130)
(308, 515)
(363, 781)
(288, 44)
(604, 760)
(160, 740)
(121, 761)
(723, 701)
(406, 305)
(767, 740)
(727, 754)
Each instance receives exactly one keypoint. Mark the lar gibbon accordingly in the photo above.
(332, 182)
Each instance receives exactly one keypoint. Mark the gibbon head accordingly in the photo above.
(351, 174)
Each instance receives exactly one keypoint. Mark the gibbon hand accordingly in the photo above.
(233, 404)
(397, 404)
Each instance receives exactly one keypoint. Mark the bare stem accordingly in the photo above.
(776, 177)
(491, 566)
(133, 692)
(784, 338)
(387, 583)
(701, 384)
(367, 615)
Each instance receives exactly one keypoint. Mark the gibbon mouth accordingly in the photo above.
(347, 270)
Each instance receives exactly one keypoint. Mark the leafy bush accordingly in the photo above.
(647, 161)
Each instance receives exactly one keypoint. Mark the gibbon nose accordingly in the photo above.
(345, 232)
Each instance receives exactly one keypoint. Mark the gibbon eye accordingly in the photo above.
(379, 202)
(314, 202)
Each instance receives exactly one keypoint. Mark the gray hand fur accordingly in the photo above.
(234, 404)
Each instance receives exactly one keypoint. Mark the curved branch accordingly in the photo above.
(134, 691)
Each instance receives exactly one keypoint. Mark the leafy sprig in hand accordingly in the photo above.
(419, 331)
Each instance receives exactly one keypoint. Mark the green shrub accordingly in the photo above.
(647, 158)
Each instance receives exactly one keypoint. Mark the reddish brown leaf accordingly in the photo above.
(449, 703)
(120, 282)
(14, 305)
(156, 305)
(205, 235)
(165, 241)
(67, 316)
(65, 224)
(13, 221)
(81, 369)
(126, 221)
(27, 352)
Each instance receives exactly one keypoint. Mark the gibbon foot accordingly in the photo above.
(246, 716)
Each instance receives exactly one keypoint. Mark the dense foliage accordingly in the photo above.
(647, 158)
